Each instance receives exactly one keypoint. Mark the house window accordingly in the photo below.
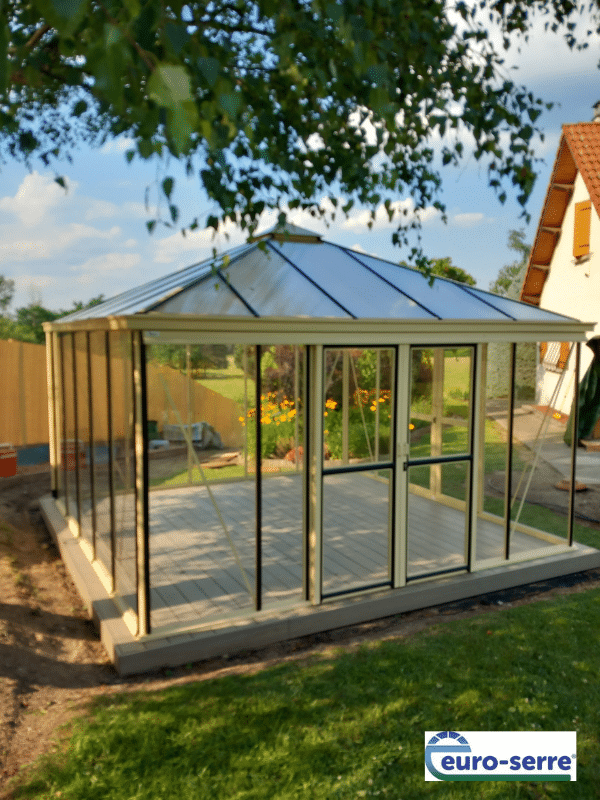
(581, 237)
(554, 355)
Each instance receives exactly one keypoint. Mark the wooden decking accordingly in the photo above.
(198, 574)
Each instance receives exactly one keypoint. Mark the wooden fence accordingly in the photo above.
(24, 393)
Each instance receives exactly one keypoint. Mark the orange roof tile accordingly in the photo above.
(578, 151)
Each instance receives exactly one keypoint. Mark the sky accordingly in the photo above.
(61, 247)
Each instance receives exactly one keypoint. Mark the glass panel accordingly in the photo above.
(83, 427)
(515, 309)
(361, 292)
(69, 449)
(494, 450)
(437, 522)
(272, 287)
(282, 430)
(101, 448)
(541, 458)
(443, 298)
(123, 477)
(358, 405)
(203, 494)
(440, 401)
(356, 530)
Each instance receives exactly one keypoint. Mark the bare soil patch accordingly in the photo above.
(52, 662)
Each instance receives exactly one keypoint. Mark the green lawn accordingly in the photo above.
(348, 724)
(229, 382)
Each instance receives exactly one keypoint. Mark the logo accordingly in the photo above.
(501, 756)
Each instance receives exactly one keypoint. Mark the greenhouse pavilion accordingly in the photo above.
(295, 437)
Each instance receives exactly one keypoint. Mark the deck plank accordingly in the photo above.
(195, 569)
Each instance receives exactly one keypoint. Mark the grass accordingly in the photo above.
(229, 382)
(348, 724)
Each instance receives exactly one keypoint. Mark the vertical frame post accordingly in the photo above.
(509, 452)
(315, 470)
(91, 441)
(52, 410)
(475, 391)
(188, 382)
(306, 475)
(377, 395)
(403, 392)
(297, 406)
(111, 466)
(76, 426)
(63, 456)
(345, 403)
(142, 532)
(258, 484)
(574, 441)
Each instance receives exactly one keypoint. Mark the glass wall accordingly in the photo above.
(84, 437)
(202, 479)
(100, 462)
(527, 406)
(541, 458)
(440, 460)
(282, 426)
(122, 445)
(68, 445)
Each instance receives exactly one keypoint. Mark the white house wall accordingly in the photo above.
(572, 288)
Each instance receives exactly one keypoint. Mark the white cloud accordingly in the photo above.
(101, 209)
(468, 219)
(117, 146)
(35, 198)
(360, 249)
(201, 243)
(97, 268)
(404, 211)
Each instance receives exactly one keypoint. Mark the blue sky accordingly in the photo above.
(61, 247)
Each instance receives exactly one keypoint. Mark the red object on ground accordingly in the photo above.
(8, 461)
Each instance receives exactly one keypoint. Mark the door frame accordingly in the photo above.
(473, 457)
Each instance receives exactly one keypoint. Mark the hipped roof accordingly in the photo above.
(578, 152)
(293, 273)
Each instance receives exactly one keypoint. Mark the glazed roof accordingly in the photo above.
(294, 273)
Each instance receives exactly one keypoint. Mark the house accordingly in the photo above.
(563, 273)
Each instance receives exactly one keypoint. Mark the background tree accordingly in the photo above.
(277, 104)
(510, 278)
(26, 324)
(7, 291)
(446, 269)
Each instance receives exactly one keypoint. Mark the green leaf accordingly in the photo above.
(167, 187)
(65, 15)
(177, 36)
(151, 224)
(169, 86)
(61, 182)
(79, 108)
(210, 68)
(4, 40)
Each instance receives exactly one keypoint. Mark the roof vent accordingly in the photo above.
(596, 107)
(289, 233)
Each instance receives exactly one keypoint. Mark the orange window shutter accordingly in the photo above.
(543, 349)
(565, 349)
(581, 236)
